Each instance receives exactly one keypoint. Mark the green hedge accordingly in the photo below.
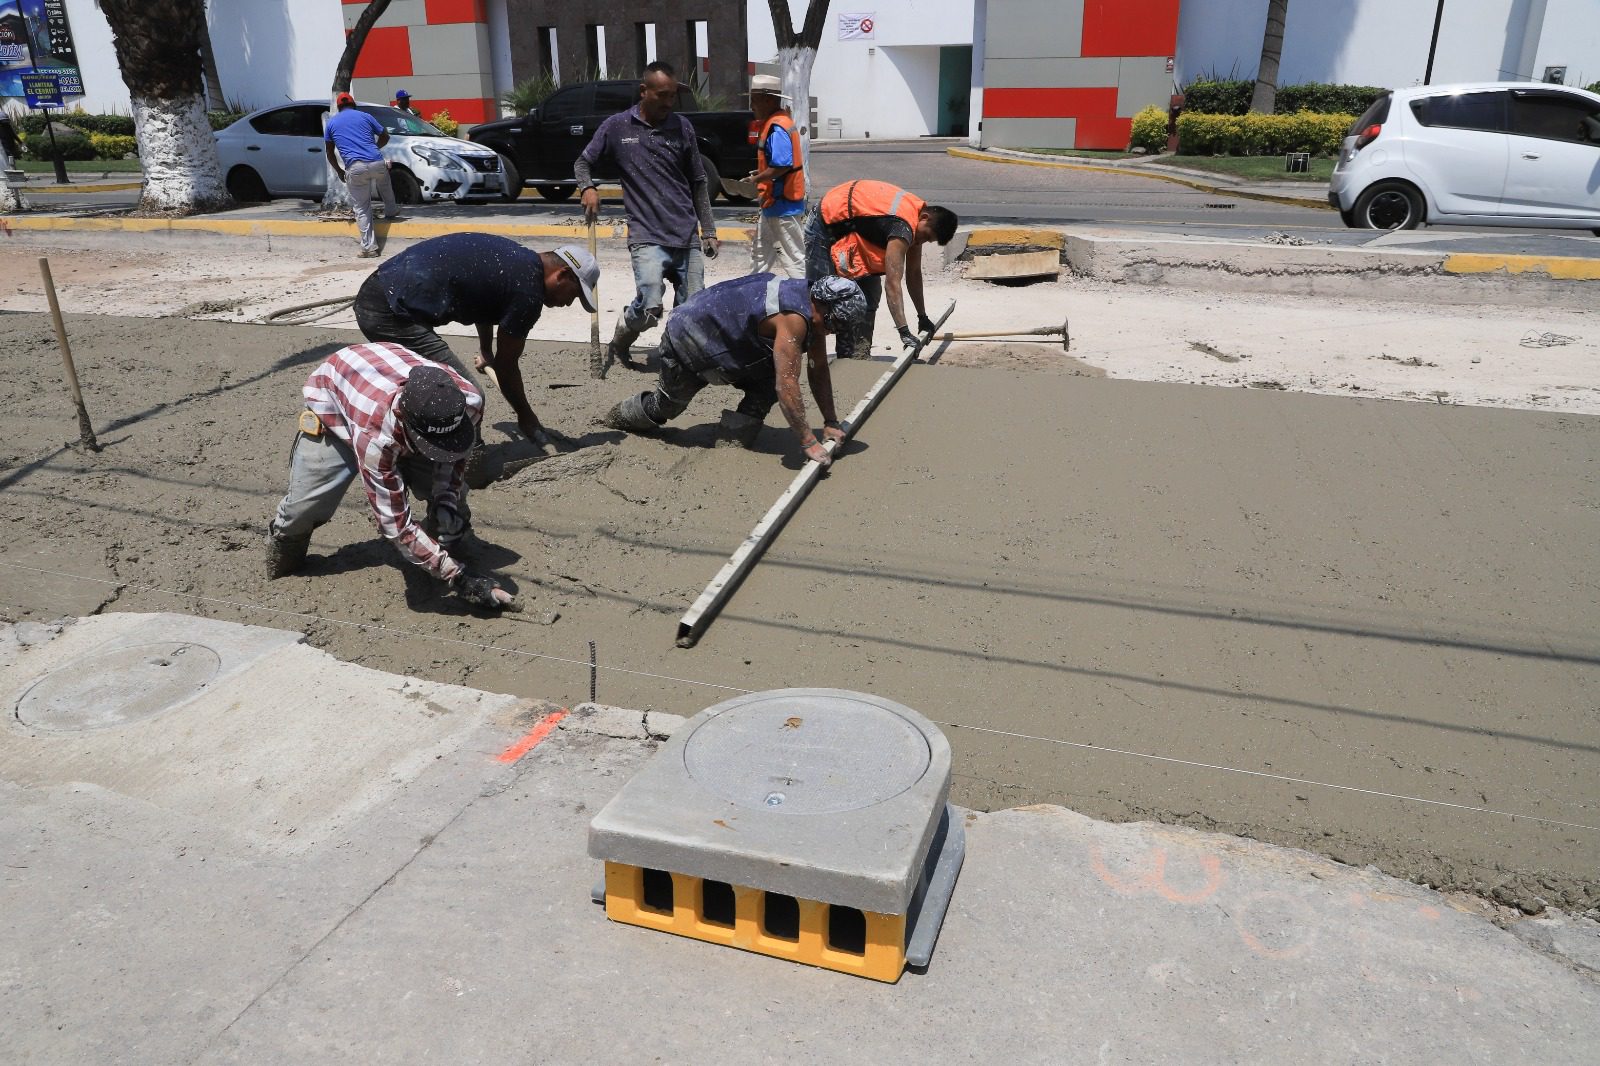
(1261, 134)
(1595, 88)
(73, 146)
(1149, 130)
(113, 125)
(1232, 97)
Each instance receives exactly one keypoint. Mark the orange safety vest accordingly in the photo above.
(852, 255)
(794, 182)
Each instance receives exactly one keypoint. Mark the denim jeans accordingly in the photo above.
(653, 266)
(819, 264)
(677, 385)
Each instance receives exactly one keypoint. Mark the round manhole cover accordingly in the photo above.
(807, 754)
(114, 688)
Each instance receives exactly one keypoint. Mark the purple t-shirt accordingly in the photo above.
(659, 166)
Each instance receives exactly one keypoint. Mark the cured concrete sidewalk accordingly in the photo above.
(358, 867)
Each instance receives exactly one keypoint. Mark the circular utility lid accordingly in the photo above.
(806, 753)
(112, 688)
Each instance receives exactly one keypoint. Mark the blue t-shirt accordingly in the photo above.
(660, 166)
(473, 278)
(355, 134)
(780, 153)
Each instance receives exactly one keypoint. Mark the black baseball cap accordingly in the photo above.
(435, 413)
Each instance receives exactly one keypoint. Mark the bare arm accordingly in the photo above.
(507, 367)
(914, 280)
(333, 159)
(702, 208)
(894, 277)
(788, 351)
(383, 138)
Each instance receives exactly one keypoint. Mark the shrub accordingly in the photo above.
(445, 124)
(1595, 88)
(113, 145)
(1209, 96)
(1149, 130)
(1261, 134)
(529, 93)
(72, 144)
(221, 120)
(1231, 96)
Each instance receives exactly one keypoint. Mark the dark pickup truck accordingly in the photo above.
(540, 148)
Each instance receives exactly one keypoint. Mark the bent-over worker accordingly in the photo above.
(869, 230)
(402, 425)
(483, 280)
(752, 333)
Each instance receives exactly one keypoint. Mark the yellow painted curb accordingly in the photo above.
(277, 227)
(118, 186)
(1290, 201)
(1566, 268)
(992, 236)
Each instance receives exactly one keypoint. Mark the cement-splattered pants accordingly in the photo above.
(363, 179)
(779, 247)
(819, 264)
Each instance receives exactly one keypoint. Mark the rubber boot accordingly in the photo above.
(622, 339)
(285, 555)
(738, 430)
(631, 415)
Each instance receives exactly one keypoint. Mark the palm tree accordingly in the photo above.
(1266, 91)
(336, 195)
(10, 199)
(797, 52)
(157, 43)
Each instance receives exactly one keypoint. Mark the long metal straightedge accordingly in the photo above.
(710, 601)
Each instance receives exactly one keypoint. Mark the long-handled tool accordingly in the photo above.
(86, 436)
(1015, 334)
(599, 364)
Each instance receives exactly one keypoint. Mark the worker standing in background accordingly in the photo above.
(780, 246)
(869, 230)
(354, 137)
(402, 103)
(665, 195)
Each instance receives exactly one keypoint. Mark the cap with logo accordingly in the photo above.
(435, 413)
(583, 265)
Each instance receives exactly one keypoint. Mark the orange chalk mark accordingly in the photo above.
(1155, 879)
(532, 738)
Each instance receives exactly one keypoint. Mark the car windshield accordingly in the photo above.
(396, 121)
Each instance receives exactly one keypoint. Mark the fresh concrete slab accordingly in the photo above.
(454, 924)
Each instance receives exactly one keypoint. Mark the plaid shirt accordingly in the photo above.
(356, 394)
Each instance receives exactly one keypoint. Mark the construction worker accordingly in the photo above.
(665, 195)
(484, 280)
(351, 140)
(402, 424)
(750, 333)
(780, 244)
(868, 230)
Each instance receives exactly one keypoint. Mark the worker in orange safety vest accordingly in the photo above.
(868, 230)
(780, 179)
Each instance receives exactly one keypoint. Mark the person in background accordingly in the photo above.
(355, 137)
(780, 245)
(402, 102)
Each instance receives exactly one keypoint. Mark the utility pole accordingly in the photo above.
(1433, 46)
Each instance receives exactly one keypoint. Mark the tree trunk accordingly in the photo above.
(11, 199)
(157, 43)
(336, 195)
(1265, 96)
(797, 52)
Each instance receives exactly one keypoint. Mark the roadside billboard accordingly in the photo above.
(35, 37)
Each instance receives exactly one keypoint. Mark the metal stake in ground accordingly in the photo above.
(598, 363)
(85, 430)
(710, 601)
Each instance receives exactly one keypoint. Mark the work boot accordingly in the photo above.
(619, 350)
(285, 555)
(630, 415)
(738, 430)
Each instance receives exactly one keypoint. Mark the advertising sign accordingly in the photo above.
(35, 37)
(857, 26)
(41, 89)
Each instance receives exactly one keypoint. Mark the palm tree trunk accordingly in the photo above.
(797, 53)
(157, 43)
(336, 195)
(11, 199)
(1265, 95)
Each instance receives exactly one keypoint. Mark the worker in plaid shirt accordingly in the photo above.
(383, 413)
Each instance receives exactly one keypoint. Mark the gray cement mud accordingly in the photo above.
(1398, 598)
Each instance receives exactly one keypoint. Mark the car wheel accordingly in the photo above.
(406, 188)
(556, 193)
(510, 178)
(713, 179)
(246, 186)
(1390, 205)
(1349, 218)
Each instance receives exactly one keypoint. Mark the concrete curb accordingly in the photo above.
(1290, 201)
(315, 228)
(83, 186)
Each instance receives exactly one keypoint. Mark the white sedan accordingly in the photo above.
(278, 151)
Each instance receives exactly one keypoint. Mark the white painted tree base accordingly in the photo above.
(11, 199)
(794, 78)
(179, 155)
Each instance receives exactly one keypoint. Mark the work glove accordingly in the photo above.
(909, 339)
(709, 246)
(478, 590)
(924, 324)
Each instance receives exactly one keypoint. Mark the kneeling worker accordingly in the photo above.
(400, 423)
(751, 333)
(482, 280)
(871, 230)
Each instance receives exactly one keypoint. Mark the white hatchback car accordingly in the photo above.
(1492, 154)
(278, 152)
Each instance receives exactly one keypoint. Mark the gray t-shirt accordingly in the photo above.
(660, 166)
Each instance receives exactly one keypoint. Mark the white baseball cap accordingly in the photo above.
(581, 263)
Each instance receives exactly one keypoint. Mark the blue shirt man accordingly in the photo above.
(779, 246)
(665, 195)
(357, 136)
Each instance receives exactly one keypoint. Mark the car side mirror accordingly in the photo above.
(533, 114)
